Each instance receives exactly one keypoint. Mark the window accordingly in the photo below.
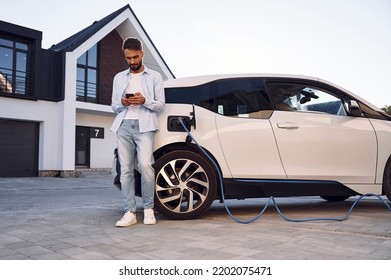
(198, 95)
(306, 98)
(15, 74)
(86, 84)
(244, 98)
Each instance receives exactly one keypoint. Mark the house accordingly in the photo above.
(55, 111)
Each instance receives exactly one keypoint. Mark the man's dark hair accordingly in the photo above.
(132, 44)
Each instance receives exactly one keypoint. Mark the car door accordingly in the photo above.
(316, 138)
(244, 130)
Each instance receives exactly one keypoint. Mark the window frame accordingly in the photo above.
(85, 83)
(22, 80)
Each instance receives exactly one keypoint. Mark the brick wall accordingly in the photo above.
(112, 61)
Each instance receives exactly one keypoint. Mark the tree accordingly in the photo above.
(387, 109)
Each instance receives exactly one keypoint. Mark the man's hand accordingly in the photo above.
(137, 99)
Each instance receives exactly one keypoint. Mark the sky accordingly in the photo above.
(346, 42)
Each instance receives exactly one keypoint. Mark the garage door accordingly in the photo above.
(18, 148)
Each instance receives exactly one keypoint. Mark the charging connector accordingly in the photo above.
(177, 123)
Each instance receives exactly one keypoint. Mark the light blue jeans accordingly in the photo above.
(132, 144)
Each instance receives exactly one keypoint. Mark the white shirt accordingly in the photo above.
(133, 111)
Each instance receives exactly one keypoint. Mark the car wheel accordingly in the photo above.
(335, 198)
(387, 180)
(185, 185)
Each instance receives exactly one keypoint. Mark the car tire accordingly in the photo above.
(335, 198)
(185, 185)
(387, 180)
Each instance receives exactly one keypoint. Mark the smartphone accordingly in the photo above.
(129, 95)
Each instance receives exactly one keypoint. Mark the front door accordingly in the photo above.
(82, 153)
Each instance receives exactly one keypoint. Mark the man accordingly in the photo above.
(138, 94)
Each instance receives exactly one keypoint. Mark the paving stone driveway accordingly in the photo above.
(74, 218)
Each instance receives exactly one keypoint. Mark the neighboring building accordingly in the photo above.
(55, 111)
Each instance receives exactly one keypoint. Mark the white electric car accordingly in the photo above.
(266, 135)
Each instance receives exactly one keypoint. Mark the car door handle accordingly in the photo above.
(288, 125)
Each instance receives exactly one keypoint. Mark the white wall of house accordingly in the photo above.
(49, 115)
(101, 150)
(58, 121)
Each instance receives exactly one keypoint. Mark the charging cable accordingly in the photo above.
(271, 199)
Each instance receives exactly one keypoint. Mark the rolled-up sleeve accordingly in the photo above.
(116, 96)
(155, 101)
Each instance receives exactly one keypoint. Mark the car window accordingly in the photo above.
(200, 95)
(306, 98)
(243, 97)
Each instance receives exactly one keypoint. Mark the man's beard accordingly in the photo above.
(136, 67)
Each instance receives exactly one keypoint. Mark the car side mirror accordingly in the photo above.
(354, 108)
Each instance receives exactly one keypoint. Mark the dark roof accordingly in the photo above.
(13, 29)
(71, 43)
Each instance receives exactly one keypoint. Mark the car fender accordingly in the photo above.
(205, 132)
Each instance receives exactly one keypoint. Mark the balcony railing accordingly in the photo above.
(86, 92)
(15, 82)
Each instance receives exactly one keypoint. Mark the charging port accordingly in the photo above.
(174, 124)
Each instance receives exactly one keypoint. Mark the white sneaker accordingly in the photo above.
(127, 219)
(149, 217)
